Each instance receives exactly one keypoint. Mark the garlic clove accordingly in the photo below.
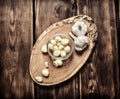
(39, 79)
(63, 53)
(53, 42)
(65, 41)
(58, 39)
(50, 46)
(67, 49)
(55, 48)
(56, 53)
(45, 72)
(61, 47)
(46, 64)
(44, 49)
(57, 63)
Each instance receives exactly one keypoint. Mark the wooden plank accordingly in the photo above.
(98, 75)
(15, 48)
(48, 12)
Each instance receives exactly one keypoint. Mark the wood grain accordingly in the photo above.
(98, 75)
(56, 10)
(15, 47)
(20, 18)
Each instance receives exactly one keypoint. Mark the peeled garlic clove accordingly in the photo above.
(53, 42)
(64, 41)
(45, 72)
(67, 49)
(50, 46)
(46, 64)
(55, 48)
(58, 38)
(63, 53)
(56, 53)
(39, 79)
(57, 63)
(44, 49)
(58, 44)
(61, 47)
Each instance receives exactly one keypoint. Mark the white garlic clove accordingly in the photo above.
(50, 46)
(57, 63)
(56, 53)
(46, 64)
(58, 44)
(67, 49)
(55, 48)
(39, 79)
(53, 42)
(65, 41)
(44, 49)
(58, 38)
(63, 53)
(61, 47)
(45, 72)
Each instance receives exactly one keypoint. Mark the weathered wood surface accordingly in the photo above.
(55, 11)
(18, 20)
(16, 30)
(98, 74)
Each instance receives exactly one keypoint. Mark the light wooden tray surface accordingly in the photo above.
(71, 65)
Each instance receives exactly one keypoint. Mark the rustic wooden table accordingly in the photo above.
(22, 22)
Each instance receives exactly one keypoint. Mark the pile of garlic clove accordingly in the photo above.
(59, 46)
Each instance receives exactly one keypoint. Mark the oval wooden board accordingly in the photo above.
(71, 65)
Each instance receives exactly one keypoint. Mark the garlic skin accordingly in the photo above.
(39, 79)
(57, 63)
(79, 28)
(44, 49)
(45, 72)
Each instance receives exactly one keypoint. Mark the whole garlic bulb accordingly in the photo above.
(79, 28)
(81, 42)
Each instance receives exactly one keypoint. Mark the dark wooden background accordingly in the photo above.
(22, 22)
